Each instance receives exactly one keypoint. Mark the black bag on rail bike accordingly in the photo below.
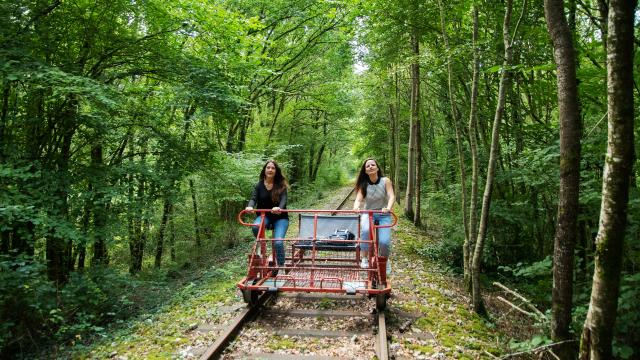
(341, 234)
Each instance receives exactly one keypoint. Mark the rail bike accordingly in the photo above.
(324, 257)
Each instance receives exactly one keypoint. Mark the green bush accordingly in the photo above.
(27, 302)
(32, 309)
(534, 279)
(231, 234)
(626, 340)
(626, 344)
(448, 252)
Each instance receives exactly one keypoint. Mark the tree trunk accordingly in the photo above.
(275, 117)
(570, 129)
(4, 242)
(137, 236)
(100, 253)
(392, 142)
(196, 223)
(3, 121)
(583, 240)
(597, 333)
(231, 134)
(172, 244)
(415, 107)
(396, 149)
(244, 126)
(58, 249)
(86, 222)
(418, 188)
(478, 303)
(312, 153)
(82, 254)
(456, 125)
(163, 225)
(472, 232)
(314, 174)
(603, 11)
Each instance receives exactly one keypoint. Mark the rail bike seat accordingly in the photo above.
(328, 233)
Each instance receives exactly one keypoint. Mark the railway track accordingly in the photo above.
(309, 326)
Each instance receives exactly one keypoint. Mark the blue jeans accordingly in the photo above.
(384, 234)
(280, 227)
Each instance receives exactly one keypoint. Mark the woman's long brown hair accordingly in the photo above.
(363, 179)
(279, 182)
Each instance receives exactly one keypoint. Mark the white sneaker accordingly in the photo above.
(364, 263)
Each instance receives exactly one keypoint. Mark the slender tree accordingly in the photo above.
(455, 119)
(418, 172)
(396, 134)
(166, 212)
(100, 250)
(392, 140)
(478, 303)
(409, 210)
(597, 334)
(196, 222)
(570, 129)
(473, 114)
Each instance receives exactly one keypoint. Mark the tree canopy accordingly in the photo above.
(132, 132)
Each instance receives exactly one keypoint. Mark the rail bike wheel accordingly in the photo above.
(381, 301)
(381, 298)
(250, 296)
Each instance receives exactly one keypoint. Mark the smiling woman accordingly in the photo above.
(376, 192)
(271, 193)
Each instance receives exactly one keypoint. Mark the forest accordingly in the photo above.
(132, 133)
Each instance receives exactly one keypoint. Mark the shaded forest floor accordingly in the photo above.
(430, 315)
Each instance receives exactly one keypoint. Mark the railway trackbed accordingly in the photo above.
(304, 326)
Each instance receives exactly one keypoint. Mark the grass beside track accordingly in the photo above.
(434, 297)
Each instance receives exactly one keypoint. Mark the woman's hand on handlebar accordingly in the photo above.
(249, 209)
(276, 210)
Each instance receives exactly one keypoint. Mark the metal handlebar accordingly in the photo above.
(263, 212)
(395, 220)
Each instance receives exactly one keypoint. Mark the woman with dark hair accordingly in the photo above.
(376, 192)
(271, 193)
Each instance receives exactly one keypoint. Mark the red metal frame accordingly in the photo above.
(324, 271)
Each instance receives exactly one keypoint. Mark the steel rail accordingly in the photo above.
(215, 351)
(251, 312)
(382, 348)
(345, 199)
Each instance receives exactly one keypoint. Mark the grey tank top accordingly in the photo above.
(377, 197)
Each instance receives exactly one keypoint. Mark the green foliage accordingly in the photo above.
(530, 271)
(333, 174)
(230, 235)
(330, 176)
(627, 329)
(111, 109)
(448, 252)
(27, 301)
(529, 344)
(534, 279)
(441, 219)
(32, 307)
